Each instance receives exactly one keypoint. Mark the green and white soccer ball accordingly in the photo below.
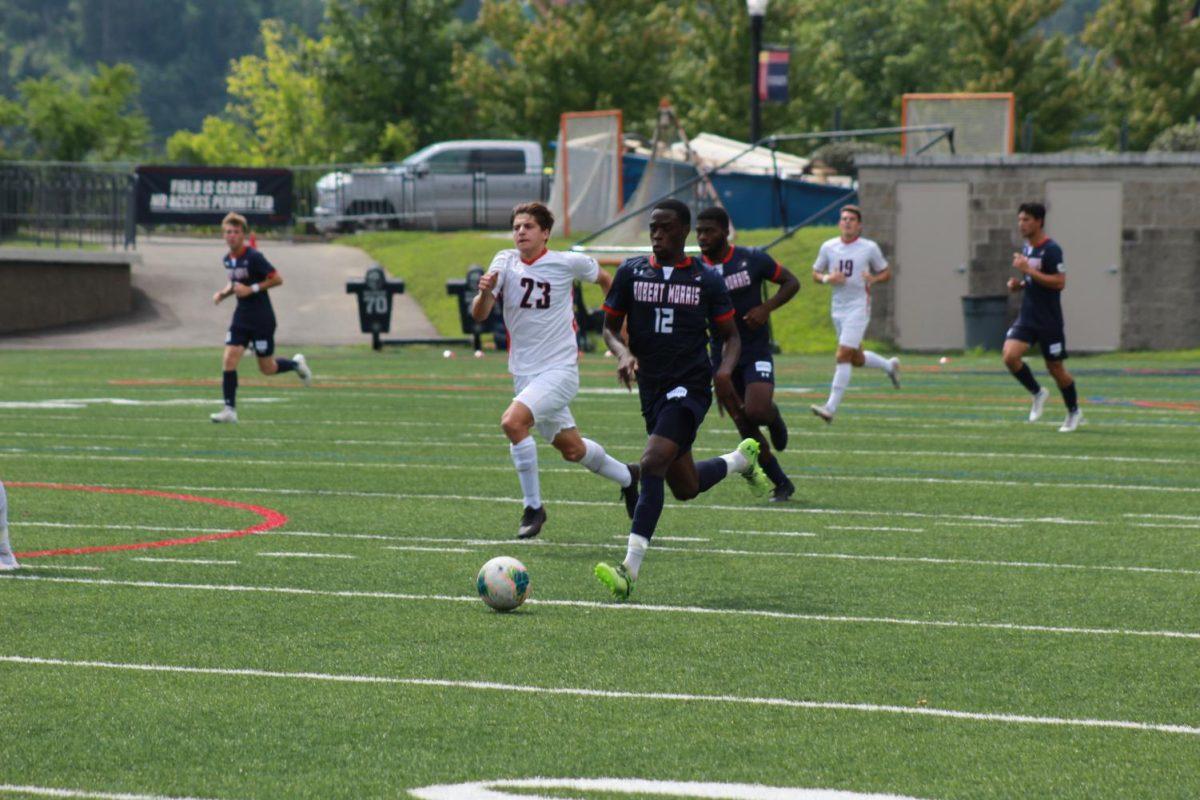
(503, 583)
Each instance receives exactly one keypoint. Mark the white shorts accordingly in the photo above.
(548, 394)
(851, 326)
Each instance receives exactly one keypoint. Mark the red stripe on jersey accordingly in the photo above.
(271, 274)
(778, 272)
(612, 312)
(535, 258)
(727, 315)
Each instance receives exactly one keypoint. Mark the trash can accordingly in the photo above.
(985, 320)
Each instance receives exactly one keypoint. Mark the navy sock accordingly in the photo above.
(229, 386)
(285, 364)
(774, 471)
(1025, 376)
(1070, 398)
(649, 506)
(711, 471)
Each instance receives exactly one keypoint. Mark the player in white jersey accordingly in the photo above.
(7, 559)
(852, 265)
(535, 288)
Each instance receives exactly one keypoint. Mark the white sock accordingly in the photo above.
(877, 361)
(524, 458)
(736, 461)
(601, 463)
(841, 379)
(635, 551)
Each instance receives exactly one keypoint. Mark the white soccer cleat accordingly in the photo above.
(1072, 421)
(302, 369)
(822, 412)
(7, 560)
(226, 414)
(1039, 402)
(894, 372)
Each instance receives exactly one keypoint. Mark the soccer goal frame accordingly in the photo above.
(564, 152)
(1010, 118)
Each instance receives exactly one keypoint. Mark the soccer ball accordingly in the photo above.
(503, 583)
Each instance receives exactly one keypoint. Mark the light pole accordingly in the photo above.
(757, 9)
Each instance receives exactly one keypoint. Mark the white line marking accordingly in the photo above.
(182, 560)
(306, 555)
(657, 538)
(96, 526)
(768, 533)
(74, 403)
(1184, 517)
(84, 794)
(433, 549)
(495, 790)
(980, 524)
(26, 565)
(872, 528)
(1173, 526)
(734, 612)
(779, 702)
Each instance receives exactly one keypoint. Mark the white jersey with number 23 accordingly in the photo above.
(538, 309)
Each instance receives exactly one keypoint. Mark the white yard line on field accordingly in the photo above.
(182, 560)
(620, 607)
(602, 694)
(873, 528)
(82, 794)
(768, 533)
(431, 549)
(306, 555)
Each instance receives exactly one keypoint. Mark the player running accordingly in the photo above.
(668, 301)
(7, 560)
(744, 269)
(1040, 320)
(535, 286)
(253, 325)
(853, 264)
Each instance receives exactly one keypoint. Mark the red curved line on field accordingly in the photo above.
(270, 519)
(327, 385)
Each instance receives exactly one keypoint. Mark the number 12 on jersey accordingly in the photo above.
(664, 320)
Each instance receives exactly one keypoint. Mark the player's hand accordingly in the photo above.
(1021, 264)
(723, 384)
(627, 369)
(756, 317)
(242, 290)
(1014, 284)
(218, 297)
(488, 281)
(837, 278)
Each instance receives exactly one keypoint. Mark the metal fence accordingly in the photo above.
(66, 204)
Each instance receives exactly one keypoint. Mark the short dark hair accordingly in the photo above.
(853, 209)
(717, 215)
(678, 206)
(540, 213)
(1035, 210)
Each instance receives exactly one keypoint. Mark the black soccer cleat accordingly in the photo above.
(779, 432)
(630, 493)
(783, 492)
(532, 521)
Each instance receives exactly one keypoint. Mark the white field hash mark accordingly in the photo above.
(570, 691)
(768, 533)
(660, 609)
(82, 794)
(181, 560)
(306, 555)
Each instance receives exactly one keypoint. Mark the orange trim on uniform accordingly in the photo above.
(778, 272)
(271, 274)
(727, 315)
(612, 312)
(1042, 243)
(687, 262)
(535, 258)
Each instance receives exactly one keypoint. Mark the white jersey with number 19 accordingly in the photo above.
(851, 259)
(538, 308)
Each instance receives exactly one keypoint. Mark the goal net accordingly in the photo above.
(984, 123)
(587, 191)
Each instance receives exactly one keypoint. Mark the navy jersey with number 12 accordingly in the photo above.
(669, 310)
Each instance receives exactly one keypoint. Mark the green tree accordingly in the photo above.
(1146, 71)
(96, 119)
(275, 115)
(537, 61)
(385, 73)
(998, 48)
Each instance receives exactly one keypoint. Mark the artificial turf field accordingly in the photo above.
(957, 603)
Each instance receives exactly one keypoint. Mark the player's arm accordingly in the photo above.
(604, 280)
(272, 280)
(821, 272)
(1055, 280)
(878, 269)
(627, 364)
(223, 293)
(485, 299)
(731, 350)
(883, 276)
(788, 284)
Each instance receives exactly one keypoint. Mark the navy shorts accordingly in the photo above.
(259, 339)
(677, 415)
(751, 368)
(1052, 340)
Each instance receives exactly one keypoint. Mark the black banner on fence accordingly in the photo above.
(204, 195)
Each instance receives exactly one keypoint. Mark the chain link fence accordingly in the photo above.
(66, 204)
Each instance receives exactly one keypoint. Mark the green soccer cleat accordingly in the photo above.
(760, 484)
(617, 579)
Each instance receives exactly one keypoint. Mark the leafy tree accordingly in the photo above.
(97, 119)
(1183, 138)
(385, 71)
(1146, 71)
(998, 48)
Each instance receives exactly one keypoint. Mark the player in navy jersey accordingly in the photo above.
(253, 325)
(668, 302)
(1040, 321)
(744, 269)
